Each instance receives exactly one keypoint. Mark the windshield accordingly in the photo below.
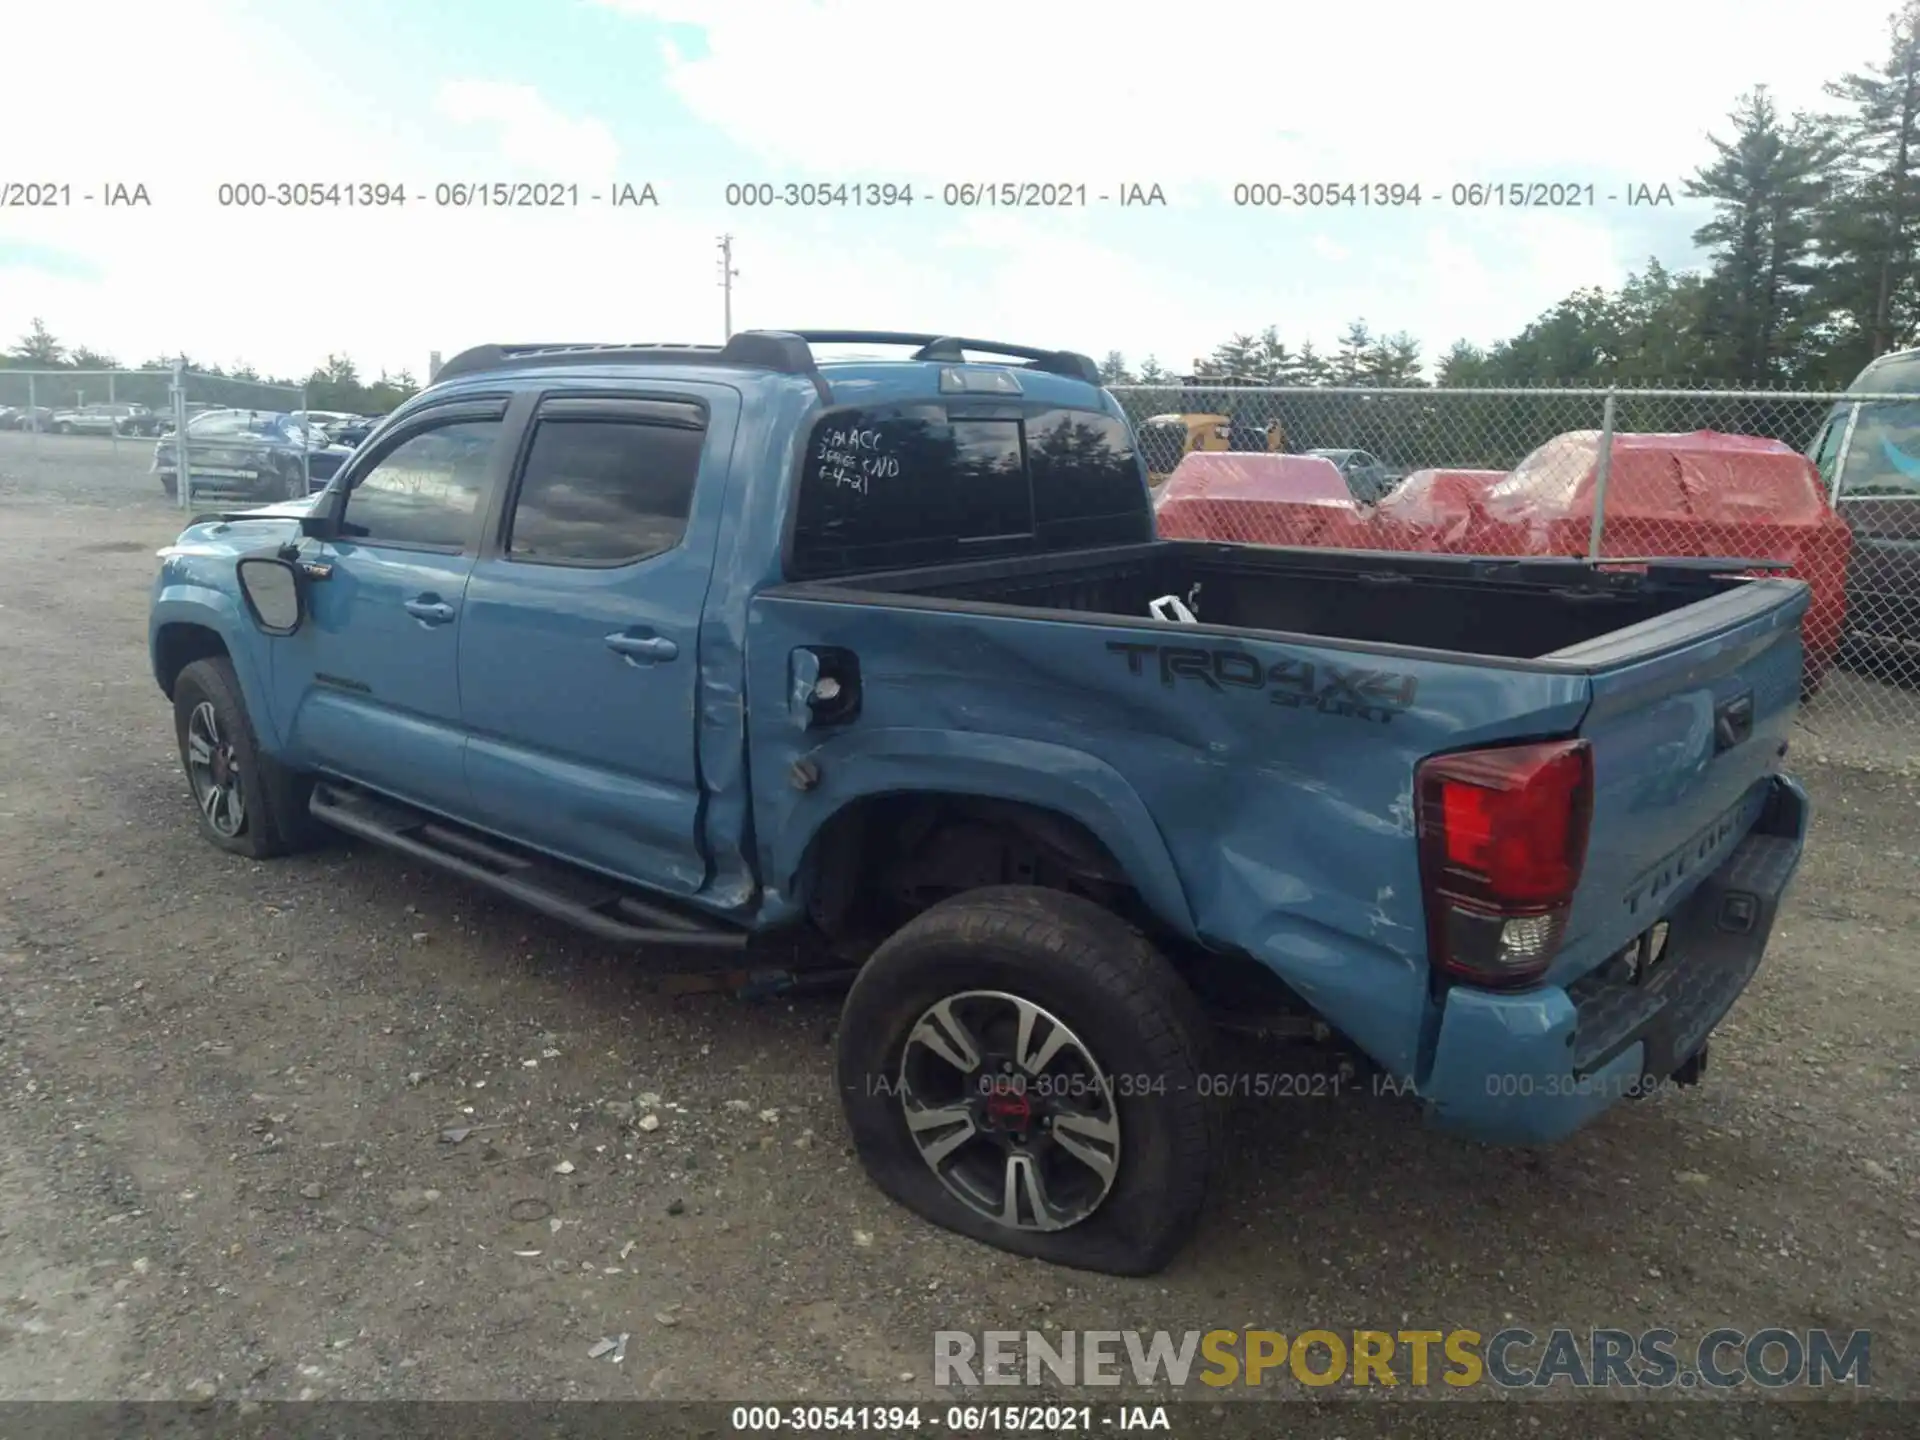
(1883, 458)
(1890, 375)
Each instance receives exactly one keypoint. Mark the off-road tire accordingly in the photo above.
(1106, 981)
(275, 799)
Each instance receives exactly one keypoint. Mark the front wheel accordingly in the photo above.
(1022, 1067)
(248, 803)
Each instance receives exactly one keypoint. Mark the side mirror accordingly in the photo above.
(273, 591)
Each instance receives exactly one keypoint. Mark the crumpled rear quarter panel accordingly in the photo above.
(1272, 781)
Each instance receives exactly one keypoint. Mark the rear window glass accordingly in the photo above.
(914, 485)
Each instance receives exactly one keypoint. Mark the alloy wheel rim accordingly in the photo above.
(213, 769)
(1010, 1109)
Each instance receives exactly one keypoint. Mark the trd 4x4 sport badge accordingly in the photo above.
(1375, 695)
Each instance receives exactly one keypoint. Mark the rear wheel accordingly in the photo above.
(248, 803)
(1022, 1067)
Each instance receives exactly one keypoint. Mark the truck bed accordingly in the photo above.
(1497, 609)
(1255, 771)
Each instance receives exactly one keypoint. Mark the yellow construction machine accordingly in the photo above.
(1208, 419)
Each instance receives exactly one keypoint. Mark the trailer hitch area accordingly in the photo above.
(1695, 1067)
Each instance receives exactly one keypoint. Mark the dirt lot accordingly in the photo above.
(222, 1166)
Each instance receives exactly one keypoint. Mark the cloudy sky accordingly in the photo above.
(691, 95)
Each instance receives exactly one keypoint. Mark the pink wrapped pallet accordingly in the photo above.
(1703, 493)
(1247, 498)
(1432, 510)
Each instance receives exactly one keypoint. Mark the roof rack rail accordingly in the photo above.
(751, 349)
(953, 348)
(786, 352)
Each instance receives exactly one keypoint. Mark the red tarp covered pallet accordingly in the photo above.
(1432, 510)
(1260, 499)
(1702, 493)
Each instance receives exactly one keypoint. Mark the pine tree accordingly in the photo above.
(1311, 367)
(1238, 356)
(1392, 361)
(1767, 185)
(1273, 362)
(38, 347)
(1465, 365)
(1867, 234)
(1350, 364)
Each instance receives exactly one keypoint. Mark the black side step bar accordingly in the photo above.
(600, 906)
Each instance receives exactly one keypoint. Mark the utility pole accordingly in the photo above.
(727, 275)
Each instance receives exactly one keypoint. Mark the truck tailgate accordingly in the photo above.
(1688, 724)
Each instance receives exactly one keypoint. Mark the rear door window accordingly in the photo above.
(604, 492)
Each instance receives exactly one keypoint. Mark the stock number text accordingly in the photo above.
(1320, 195)
(825, 1417)
(311, 194)
(766, 195)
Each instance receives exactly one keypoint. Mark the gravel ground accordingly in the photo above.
(228, 1161)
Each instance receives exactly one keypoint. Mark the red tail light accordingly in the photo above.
(1503, 838)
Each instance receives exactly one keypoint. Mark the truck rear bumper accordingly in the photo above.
(1533, 1067)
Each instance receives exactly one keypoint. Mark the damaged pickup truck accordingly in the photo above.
(877, 665)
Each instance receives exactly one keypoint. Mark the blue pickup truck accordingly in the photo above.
(747, 655)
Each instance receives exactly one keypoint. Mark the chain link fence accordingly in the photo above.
(244, 437)
(1826, 485)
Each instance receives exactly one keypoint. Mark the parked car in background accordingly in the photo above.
(1368, 478)
(193, 408)
(107, 418)
(265, 453)
(31, 417)
(1868, 457)
(354, 429)
(328, 421)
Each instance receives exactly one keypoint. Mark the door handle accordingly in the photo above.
(642, 649)
(429, 611)
(1733, 723)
